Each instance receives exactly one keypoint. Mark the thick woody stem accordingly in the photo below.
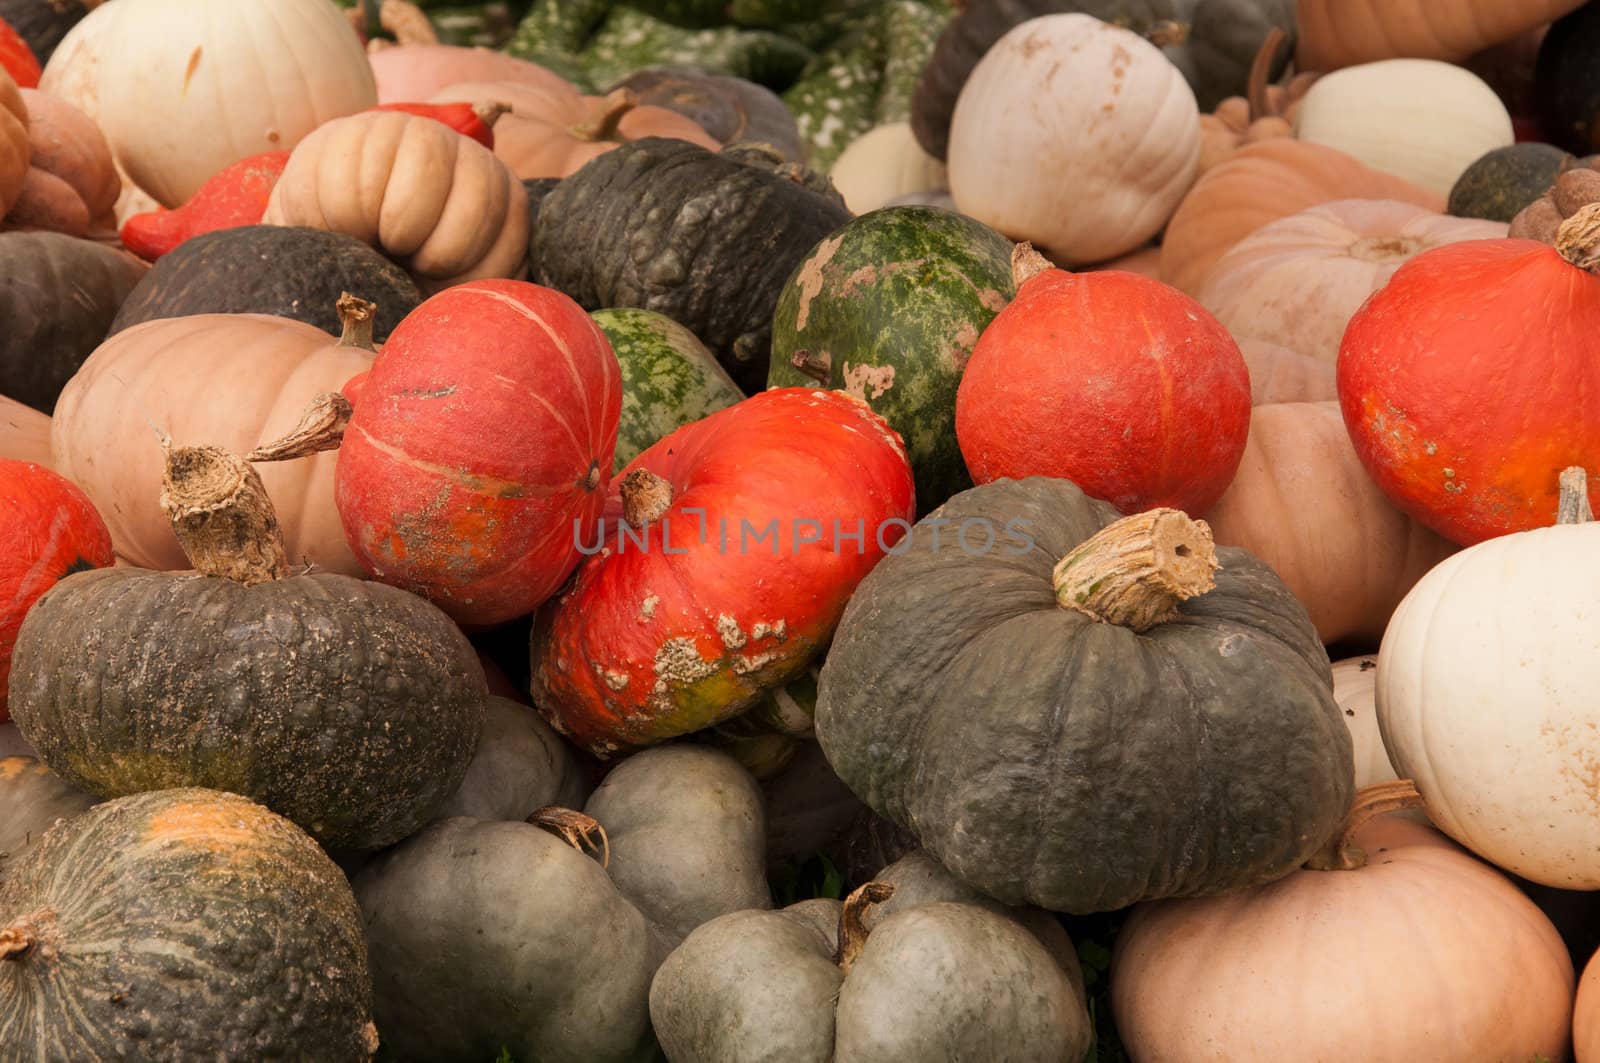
(645, 497)
(1578, 238)
(1026, 264)
(321, 428)
(1341, 853)
(407, 22)
(1135, 572)
(355, 321)
(1574, 505)
(852, 929)
(576, 828)
(603, 125)
(222, 516)
(817, 366)
(490, 113)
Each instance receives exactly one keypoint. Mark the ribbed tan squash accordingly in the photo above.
(1260, 184)
(1278, 374)
(1302, 503)
(72, 182)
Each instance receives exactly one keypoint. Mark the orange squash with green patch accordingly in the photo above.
(725, 559)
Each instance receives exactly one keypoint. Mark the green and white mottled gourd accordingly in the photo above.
(866, 79)
(888, 309)
(669, 378)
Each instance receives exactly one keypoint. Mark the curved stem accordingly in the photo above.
(603, 125)
(1574, 505)
(816, 366)
(355, 321)
(1135, 571)
(1341, 853)
(321, 428)
(852, 931)
(1026, 264)
(645, 497)
(1260, 72)
(490, 113)
(576, 828)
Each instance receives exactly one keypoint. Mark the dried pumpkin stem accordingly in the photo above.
(1026, 264)
(1341, 853)
(355, 321)
(16, 941)
(817, 366)
(1260, 71)
(1578, 238)
(490, 113)
(645, 497)
(1574, 505)
(852, 929)
(1135, 572)
(220, 512)
(576, 828)
(321, 428)
(406, 22)
(603, 126)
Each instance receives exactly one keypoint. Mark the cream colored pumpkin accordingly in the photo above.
(1419, 119)
(1302, 502)
(183, 88)
(14, 148)
(24, 433)
(1075, 135)
(883, 163)
(1297, 281)
(1586, 1015)
(1489, 697)
(229, 380)
(1410, 951)
(1278, 374)
(1354, 682)
(435, 201)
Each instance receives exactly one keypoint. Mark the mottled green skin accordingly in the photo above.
(669, 379)
(32, 798)
(1047, 758)
(351, 707)
(897, 299)
(186, 926)
(488, 934)
(1501, 183)
(707, 240)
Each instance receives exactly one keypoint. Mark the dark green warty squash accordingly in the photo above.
(351, 707)
(499, 934)
(1502, 182)
(186, 925)
(888, 309)
(32, 799)
(271, 269)
(706, 239)
(1149, 738)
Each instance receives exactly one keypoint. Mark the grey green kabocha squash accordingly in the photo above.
(492, 934)
(1071, 718)
(888, 309)
(521, 766)
(910, 968)
(1212, 42)
(708, 239)
(347, 705)
(32, 800)
(181, 924)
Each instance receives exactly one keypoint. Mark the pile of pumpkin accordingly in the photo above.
(872, 529)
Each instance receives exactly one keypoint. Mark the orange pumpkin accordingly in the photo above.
(72, 183)
(1341, 33)
(1260, 184)
(552, 133)
(165, 377)
(1303, 504)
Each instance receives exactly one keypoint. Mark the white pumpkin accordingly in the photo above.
(884, 163)
(1075, 135)
(1419, 119)
(1354, 682)
(1488, 696)
(1297, 281)
(183, 88)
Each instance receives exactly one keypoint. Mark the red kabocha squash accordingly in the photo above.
(481, 448)
(469, 119)
(50, 531)
(1467, 382)
(236, 196)
(17, 59)
(1117, 382)
(729, 552)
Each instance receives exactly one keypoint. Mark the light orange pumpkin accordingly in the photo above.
(72, 182)
(1265, 112)
(1586, 1015)
(1260, 184)
(435, 201)
(24, 433)
(1406, 948)
(552, 133)
(415, 72)
(1302, 502)
(1341, 33)
(14, 148)
(1146, 262)
(1297, 281)
(1278, 374)
(229, 380)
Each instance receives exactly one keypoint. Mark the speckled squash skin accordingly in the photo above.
(521, 765)
(669, 379)
(705, 239)
(32, 799)
(350, 707)
(1504, 181)
(58, 298)
(286, 271)
(888, 309)
(1047, 758)
(183, 925)
(492, 934)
